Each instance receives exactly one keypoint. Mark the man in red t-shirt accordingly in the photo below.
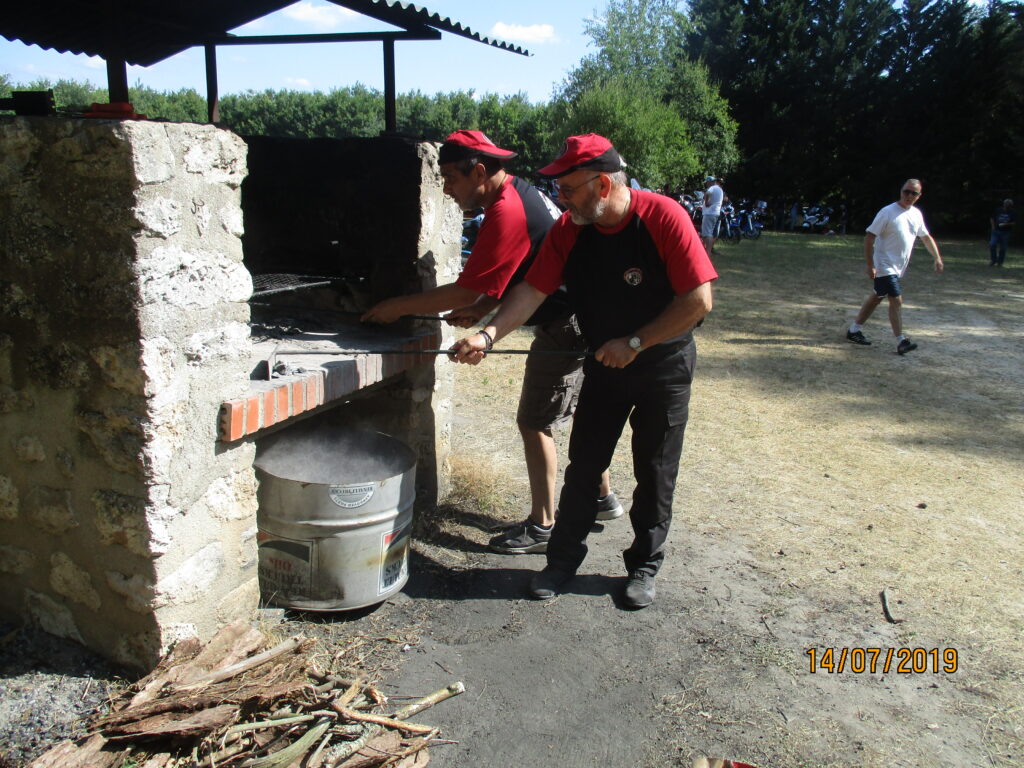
(516, 219)
(639, 280)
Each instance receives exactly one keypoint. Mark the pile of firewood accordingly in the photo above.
(233, 704)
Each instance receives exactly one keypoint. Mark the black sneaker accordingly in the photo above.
(545, 584)
(608, 507)
(639, 590)
(525, 538)
(905, 346)
(857, 338)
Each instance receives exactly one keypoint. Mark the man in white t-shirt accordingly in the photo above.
(711, 210)
(887, 246)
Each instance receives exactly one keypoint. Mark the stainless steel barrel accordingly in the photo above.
(335, 516)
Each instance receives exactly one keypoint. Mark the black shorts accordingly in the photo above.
(888, 285)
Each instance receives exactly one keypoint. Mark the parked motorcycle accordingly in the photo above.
(749, 220)
(816, 219)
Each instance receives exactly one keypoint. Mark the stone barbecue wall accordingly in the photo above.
(123, 522)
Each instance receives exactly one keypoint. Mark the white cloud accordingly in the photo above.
(95, 62)
(298, 82)
(319, 16)
(535, 33)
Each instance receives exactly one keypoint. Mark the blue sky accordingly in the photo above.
(552, 30)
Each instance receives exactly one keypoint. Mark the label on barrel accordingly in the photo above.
(285, 567)
(393, 560)
(351, 496)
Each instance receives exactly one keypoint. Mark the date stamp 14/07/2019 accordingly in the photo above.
(902, 661)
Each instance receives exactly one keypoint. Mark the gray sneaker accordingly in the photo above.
(639, 590)
(525, 538)
(608, 507)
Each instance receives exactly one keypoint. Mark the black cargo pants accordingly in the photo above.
(653, 392)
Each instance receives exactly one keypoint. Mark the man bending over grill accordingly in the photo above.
(639, 253)
(516, 218)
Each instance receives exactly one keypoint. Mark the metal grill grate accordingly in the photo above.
(279, 282)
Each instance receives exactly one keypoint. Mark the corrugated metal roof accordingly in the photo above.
(143, 32)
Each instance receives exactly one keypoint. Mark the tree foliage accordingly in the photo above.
(639, 89)
(844, 99)
(794, 99)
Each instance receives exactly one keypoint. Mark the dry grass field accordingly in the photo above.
(835, 472)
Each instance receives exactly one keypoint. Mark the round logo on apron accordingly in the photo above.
(633, 276)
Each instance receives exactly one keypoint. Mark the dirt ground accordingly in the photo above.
(816, 475)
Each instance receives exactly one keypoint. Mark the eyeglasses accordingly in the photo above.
(913, 192)
(570, 191)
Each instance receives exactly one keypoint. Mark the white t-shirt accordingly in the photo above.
(713, 201)
(895, 228)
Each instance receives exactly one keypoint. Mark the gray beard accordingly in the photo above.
(580, 219)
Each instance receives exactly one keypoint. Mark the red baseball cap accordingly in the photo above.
(463, 144)
(589, 151)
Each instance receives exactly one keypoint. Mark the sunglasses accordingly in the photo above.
(913, 192)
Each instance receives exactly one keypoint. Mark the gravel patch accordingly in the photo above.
(48, 687)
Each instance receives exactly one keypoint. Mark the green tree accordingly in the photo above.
(649, 133)
(641, 70)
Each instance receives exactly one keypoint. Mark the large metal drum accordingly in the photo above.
(335, 517)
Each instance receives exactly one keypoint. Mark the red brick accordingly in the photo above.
(252, 414)
(232, 424)
(311, 401)
(298, 397)
(283, 412)
(269, 412)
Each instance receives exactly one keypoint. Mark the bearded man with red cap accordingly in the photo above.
(516, 219)
(639, 280)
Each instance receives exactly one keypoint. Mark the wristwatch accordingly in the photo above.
(635, 345)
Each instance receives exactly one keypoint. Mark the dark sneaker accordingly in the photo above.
(905, 346)
(545, 584)
(639, 590)
(857, 338)
(526, 538)
(608, 507)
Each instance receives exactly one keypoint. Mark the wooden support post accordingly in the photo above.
(117, 78)
(390, 114)
(212, 103)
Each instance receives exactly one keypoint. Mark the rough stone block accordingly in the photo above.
(248, 554)
(50, 510)
(137, 590)
(239, 603)
(8, 499)
(14, 560)
(140, 650)
(51, 616)
(15, 400)
(171, 276)
(232, 497)
(226, 344)
(160, 217)
(62, 366)
(117, 435)
(121, 520)
(216, 154)
(29, 449)
(65, 463)
(120, 367)
(72, 582)
(193, 579)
